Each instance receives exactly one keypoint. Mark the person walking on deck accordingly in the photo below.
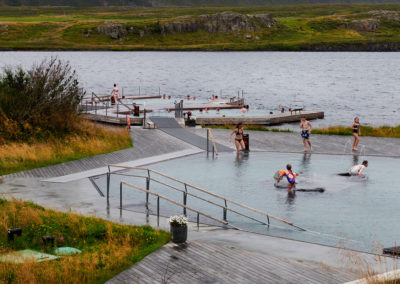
(114, 94)
(305, 127)
(356, 133)
(239, 143)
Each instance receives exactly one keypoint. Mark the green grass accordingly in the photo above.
(381, 131)
(300, 27)
(107, 248)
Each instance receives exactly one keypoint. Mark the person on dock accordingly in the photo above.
(305, 127)
(356, 133)
(290, 176)
(114, 95)
(357, 170)
(239, 143)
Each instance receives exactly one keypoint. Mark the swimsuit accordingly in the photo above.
(290, 176)
(355, 169)
(355, 130)
(305, 134)
(239, 132)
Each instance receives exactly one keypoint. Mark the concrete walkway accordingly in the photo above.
(322, 144)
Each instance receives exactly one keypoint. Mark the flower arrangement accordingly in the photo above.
(178, 221)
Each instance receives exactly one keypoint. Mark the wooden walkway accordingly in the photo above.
(199, 262)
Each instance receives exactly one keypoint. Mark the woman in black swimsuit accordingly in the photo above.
(239, 138)
(356, 133)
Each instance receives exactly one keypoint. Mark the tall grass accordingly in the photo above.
(381, 131)
(107, 248)
(93, 139)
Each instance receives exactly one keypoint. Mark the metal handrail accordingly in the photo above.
(209, 133)
(202, 190)
(170, 200)
(225, 208)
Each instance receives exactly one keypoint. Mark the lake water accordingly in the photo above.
(343, 85)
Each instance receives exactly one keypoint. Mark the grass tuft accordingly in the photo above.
(381, 131)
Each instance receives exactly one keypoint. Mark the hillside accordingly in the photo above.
(300, 27)
(181, 3)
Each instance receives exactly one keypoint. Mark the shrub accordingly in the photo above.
(40, 102)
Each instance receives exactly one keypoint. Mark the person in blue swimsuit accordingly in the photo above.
(305, 127)
(290, 176)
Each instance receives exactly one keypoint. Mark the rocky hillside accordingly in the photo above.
(216, 23)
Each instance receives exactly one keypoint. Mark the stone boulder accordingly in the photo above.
(113, 30)
(366, 25)
(385, 15)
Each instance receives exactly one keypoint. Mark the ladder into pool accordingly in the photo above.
(149, 173)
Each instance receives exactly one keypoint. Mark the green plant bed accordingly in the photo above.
(381, 131)
(107, 248)
(248, 127)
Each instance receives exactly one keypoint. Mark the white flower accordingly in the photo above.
(178, 220)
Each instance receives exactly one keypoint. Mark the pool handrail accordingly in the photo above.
(209, 132)
(202, 190)
(185, 192)
(170, 200)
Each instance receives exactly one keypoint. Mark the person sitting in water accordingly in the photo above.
(291, 177)
(357, 170)
(239, 143)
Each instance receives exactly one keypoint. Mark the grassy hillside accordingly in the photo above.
(300, 27)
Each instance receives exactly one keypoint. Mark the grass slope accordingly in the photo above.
(20, 156)
(300, 27)
(107, 248)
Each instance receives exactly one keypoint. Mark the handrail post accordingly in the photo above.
(120, 195)
(268, 220)
(208, 133)
(108, 188)
(198, 220)
(147, 194)
(158, 211)
(224, 211)
(95, 107)
(106, 109)
(184, 200)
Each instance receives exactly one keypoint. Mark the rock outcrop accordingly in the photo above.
(385, 15)
(366, 25)
(219, 23)
(113, 30)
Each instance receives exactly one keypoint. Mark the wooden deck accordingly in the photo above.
(199, 262)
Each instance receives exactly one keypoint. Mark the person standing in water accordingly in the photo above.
(114, 94)
(357, 170)
(305, 127)
(356, 133)
(239, 143)
(291, 177)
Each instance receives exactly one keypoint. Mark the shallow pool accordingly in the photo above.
(360, 213)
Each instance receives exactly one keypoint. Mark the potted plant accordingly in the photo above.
(178, 228)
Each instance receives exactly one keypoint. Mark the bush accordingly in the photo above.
(38, 103)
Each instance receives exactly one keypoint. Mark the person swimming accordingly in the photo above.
(290, 176)
(357, 170)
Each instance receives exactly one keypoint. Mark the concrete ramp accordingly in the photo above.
(170, 126)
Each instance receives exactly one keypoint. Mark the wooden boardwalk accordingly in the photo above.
(199, 262)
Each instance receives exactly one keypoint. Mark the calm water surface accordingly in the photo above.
(344, 84)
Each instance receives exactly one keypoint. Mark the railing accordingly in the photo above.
(211, 136)
(185, 192)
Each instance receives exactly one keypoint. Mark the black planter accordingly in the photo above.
(178, 234)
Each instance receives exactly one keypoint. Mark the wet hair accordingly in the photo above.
(239, 124)
(289, 167)
(115, 85)
(356, 118)
(365, 162)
